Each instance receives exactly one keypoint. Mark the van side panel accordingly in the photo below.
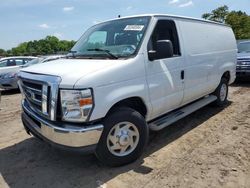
(210, 50)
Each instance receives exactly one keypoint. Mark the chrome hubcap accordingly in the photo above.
(223, 92)
(123, 139)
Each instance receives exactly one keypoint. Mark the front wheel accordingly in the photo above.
(221, 93)
(123, 139)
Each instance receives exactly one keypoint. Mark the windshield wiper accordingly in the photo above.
(103, 50)
(73, 54)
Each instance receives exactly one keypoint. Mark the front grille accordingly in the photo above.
(243, 59)
(40, 92)
(243, 64)
(33, 94)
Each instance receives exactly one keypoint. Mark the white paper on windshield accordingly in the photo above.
(133, 27)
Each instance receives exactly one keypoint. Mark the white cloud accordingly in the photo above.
(129, 8)
(187, 4)
(44, 26)
(68, 9)
(173, 1)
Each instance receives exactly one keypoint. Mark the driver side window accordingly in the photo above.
(165, 30)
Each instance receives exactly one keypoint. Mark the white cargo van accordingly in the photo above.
(127, 76)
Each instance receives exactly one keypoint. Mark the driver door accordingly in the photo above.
(164, 76)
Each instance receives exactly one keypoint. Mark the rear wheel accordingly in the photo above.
(123, 139)
(221, 93)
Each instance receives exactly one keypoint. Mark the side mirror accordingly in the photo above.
(164, 49)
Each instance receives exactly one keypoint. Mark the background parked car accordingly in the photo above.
(9, 64)
(243, 59)
(42, 59)
(9, 80)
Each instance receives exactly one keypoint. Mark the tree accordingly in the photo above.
(240, 23)
(238, 20)
(20, 49)
(217, 15)
(2, 52)
(46, 46)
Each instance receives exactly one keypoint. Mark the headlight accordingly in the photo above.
(76, 105)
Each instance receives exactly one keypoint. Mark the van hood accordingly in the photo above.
(70, 70)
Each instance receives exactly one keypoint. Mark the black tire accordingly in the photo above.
(122, 115)
(220, 102)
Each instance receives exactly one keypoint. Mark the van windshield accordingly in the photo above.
(244, 47)
(113, 39)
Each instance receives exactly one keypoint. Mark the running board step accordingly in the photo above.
(180, 113)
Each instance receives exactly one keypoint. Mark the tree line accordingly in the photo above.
(48, 45)
(238, 20)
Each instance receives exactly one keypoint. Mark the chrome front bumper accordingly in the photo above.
(63, 135)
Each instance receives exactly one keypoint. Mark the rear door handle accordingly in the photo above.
(182, 75)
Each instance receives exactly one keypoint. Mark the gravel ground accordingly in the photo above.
(209, 148)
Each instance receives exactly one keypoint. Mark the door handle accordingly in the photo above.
(182, 75)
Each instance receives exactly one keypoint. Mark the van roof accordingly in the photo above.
(172, 16)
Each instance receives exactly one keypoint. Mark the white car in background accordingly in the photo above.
(9, 64)
(43, 59)
(9, 80)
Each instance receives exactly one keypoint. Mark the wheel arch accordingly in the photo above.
(226, 75)
(136, 103)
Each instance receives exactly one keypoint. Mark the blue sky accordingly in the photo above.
(24, 20)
